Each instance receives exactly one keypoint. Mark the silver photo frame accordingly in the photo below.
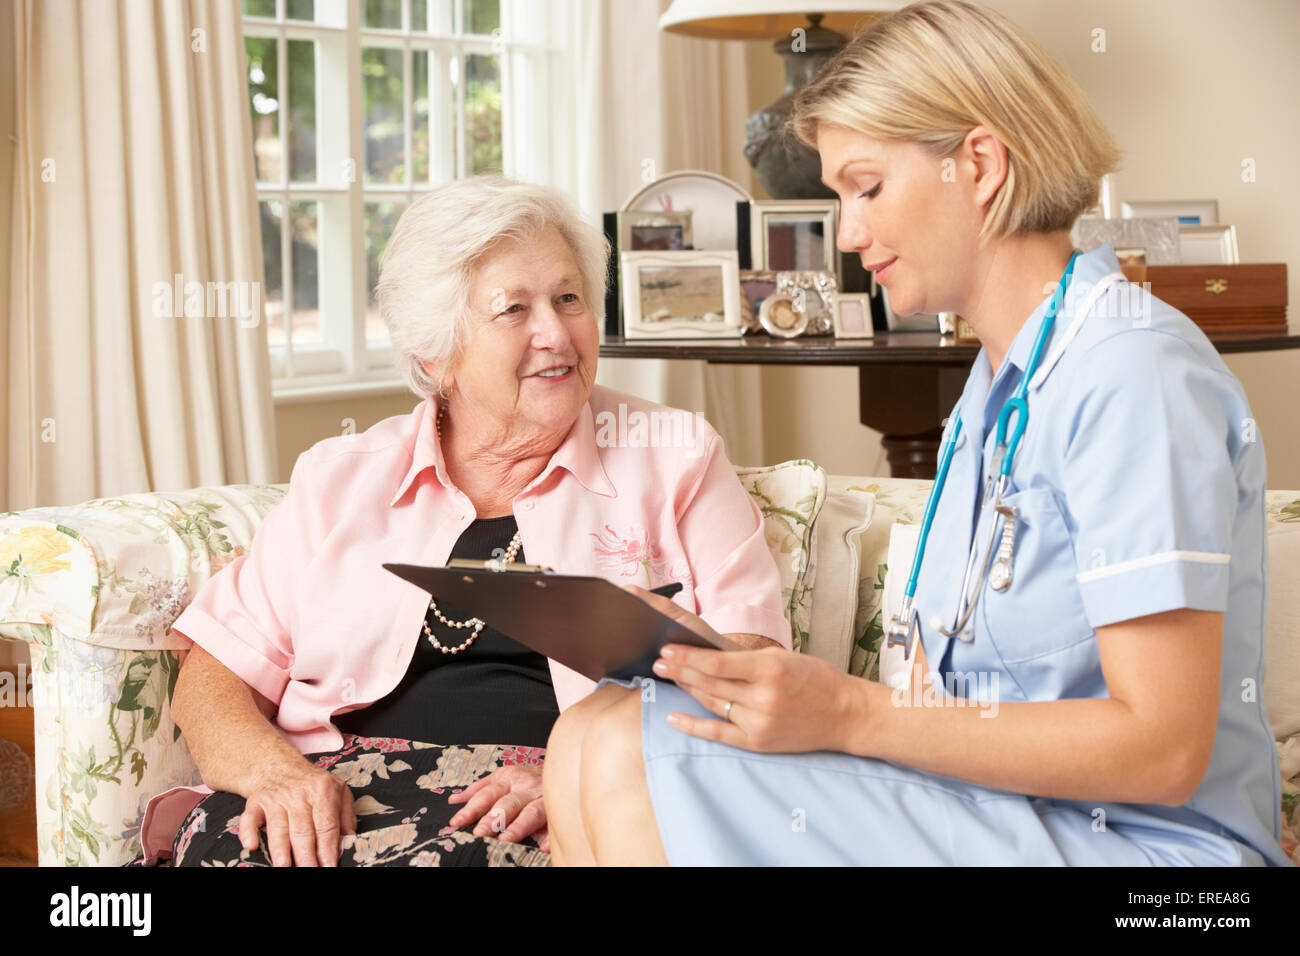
(813, 291)
(680, 295)
(795, 235)
(1158, 237)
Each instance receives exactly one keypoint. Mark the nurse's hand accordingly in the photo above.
(781, 702)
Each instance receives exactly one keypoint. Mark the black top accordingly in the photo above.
(496, 691)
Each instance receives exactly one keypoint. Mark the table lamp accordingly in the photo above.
(787, 168)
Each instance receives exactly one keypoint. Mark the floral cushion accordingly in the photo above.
(896, 499)
(93, 589)
(790, 495)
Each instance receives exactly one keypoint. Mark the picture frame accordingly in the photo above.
(794, 235)
(1156, 237)
(812, 291)
(755, 286)
(1188, 212)
(1208, 245)
(650, 230)
(782, 317)
(693, 294)
(853, 316)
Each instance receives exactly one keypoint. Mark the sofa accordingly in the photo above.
(93, 590)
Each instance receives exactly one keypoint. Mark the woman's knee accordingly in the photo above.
(565, 740)
(611, 745)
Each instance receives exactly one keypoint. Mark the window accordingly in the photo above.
(357, 106)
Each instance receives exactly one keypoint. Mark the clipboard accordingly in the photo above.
(588, 624)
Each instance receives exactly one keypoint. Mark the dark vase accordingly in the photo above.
(786, 167)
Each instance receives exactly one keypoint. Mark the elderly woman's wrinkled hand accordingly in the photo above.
(305, 810)
(506, 803)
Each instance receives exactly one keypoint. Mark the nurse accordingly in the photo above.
(1103, 708)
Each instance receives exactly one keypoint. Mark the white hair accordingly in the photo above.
(427, 270)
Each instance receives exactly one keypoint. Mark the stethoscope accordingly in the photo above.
(998, 570)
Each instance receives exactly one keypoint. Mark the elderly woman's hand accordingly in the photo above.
(507, 802)
(305, 810)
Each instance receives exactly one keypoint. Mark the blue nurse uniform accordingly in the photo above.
(1139, 488)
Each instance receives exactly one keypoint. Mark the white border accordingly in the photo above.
(826, 210)
(630, 265)
(864, 299)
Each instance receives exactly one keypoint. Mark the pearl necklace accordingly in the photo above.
(477, 623)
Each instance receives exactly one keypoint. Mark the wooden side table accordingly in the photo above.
(17, 760)
(902, 391)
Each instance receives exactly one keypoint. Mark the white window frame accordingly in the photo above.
(535, 82)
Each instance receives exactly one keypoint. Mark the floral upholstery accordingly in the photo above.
(94, 588)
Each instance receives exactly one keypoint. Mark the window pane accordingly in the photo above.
(270, 212)
(300, 10)
(264, 106)
(482, 16)
(381, 88)
(483, 113)
(381, 218)
(304, 220)
(420, 121)
(419, 15)
(302, 111)
(259, 8)
(383, 14)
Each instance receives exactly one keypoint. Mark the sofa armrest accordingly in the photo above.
(94, 590)
(105, 743)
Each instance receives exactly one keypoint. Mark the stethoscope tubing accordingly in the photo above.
(1006, 450)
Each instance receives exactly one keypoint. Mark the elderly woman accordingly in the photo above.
(1118, 636)
(339, 713)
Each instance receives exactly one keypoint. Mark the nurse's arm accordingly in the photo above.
(1149, 742)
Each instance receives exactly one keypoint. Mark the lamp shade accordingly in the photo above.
(768, 19)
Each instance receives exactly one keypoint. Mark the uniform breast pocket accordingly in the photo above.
(1041, 614)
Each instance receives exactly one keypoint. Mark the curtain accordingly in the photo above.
(679, 103)
(137, 346)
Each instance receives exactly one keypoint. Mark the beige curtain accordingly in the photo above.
(133, 179)
(681, 103)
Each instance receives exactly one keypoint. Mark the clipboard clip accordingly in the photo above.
(497, 565)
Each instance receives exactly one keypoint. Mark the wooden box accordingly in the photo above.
(1240, 298)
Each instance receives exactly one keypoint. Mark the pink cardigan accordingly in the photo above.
(311, 620)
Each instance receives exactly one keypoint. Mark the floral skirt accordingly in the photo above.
(399, 791)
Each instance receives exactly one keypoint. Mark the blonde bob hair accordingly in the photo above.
(426, 274)
(933, 71)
